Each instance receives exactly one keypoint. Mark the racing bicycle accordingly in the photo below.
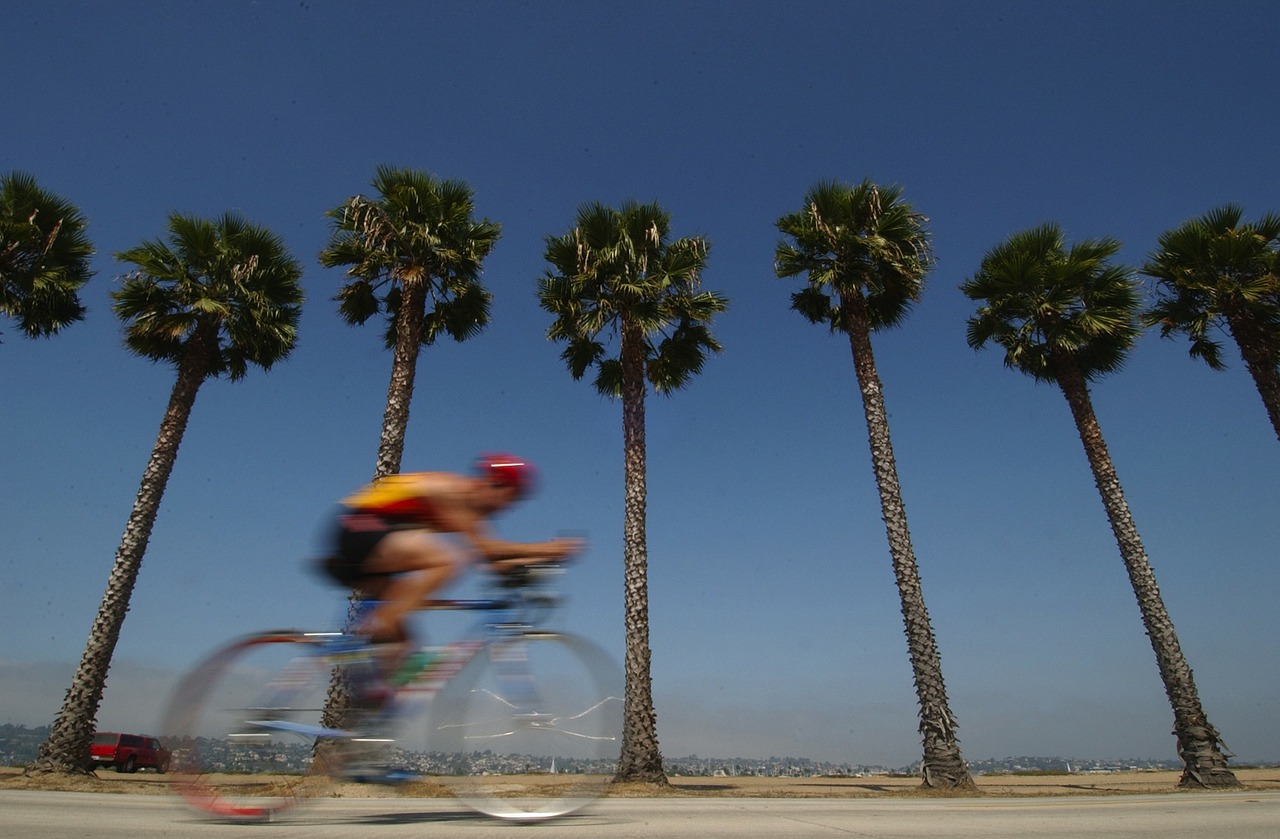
(516, 721)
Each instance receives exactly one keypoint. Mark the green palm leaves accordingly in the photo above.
(1043, 300)
(862, 237)
(419, 234)
(225, 287)
(44, 257)
(1217, 270)
(616, 270)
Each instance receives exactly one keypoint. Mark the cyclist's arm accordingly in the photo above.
(457, 515)
(502, 555)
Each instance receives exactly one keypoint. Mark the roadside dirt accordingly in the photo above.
(1109, 783)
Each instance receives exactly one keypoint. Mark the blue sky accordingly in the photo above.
(775, 621)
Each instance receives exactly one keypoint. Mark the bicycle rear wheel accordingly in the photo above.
(531, 728)
(243, 727)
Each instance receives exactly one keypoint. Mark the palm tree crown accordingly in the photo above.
(414, 252)
(1214, 271)
(1043, 299)
(615, 266)
(863, 237)
(226, 282)
(44, 257)
(1219, 273)
(418, 233)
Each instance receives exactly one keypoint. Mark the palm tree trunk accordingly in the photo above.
(67, 748)
(1199, 743)
(942, 766)
(340, 697)
(1262, 361)
(404, 366)
(640, 758)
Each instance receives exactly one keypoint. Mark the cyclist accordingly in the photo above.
(401, 538)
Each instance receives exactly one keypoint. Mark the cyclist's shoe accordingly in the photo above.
(410, 667)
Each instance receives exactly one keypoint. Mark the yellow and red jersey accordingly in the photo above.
(395, 497)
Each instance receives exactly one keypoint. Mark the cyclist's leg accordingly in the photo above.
(403, 568)
(399, 569)
(407, 566)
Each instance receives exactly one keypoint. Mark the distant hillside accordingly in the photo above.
(19, 744)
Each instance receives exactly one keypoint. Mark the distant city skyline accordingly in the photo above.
(18, 746)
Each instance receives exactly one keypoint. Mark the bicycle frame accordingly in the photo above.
(504, 619)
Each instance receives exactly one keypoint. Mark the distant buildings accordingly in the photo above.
(19, 744)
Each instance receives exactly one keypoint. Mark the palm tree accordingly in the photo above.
(217, 297)
(866, 253)
(1218, 272)
(415, 245)
(1068, 316)
(44, 257)
(616, 273)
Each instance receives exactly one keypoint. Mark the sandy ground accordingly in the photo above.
(1110, 783)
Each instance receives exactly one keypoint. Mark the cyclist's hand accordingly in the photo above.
(565, 547)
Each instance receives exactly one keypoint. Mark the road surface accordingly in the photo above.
(1254, 815)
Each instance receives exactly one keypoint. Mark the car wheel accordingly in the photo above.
(130, 765)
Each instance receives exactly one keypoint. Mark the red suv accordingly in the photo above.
(127, 752)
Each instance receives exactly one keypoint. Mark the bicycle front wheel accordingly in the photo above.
(531, 728)
(244, 724)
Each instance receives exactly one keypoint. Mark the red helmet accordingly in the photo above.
(508, 470)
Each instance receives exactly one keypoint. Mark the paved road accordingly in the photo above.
(68, 815)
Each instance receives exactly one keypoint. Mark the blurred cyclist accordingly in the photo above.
(402, 537)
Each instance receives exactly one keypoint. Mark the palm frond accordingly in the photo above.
(681, 356)
(608, 380)
(460, 315)
(1042, 298)
(581, 354)
(44, 257)
(814, 304)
